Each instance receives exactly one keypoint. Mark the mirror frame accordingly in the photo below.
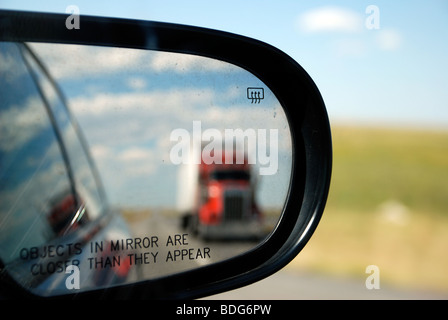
(299, 98)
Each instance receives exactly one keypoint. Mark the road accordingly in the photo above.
(284, 285)
(176, 250)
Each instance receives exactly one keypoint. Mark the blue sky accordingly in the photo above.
(394, 75)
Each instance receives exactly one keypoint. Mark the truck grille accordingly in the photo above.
(235, 205)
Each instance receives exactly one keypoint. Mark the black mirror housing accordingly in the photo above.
(302, 104)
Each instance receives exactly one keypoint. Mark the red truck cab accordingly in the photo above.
(225, 205)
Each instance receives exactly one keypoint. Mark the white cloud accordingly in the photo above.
(135, 154)
(100, 151)
(137, 161)
(139, 117)
(330, 19)
(182, 63)
(19, 124)
(143, 106)
(86, 61)
(136, 83)
(9, 68)
(389, 39)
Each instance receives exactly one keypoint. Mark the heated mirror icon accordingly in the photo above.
(255, 94)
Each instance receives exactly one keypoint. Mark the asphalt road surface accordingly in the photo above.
(284, 285)
(176, 250)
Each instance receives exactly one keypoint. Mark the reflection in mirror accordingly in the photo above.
(194, 154)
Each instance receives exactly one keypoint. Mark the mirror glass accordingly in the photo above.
(165, 162)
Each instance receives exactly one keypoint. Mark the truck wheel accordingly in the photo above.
(185, 221)
(194, 223)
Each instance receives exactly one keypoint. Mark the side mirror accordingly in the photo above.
(152, 160)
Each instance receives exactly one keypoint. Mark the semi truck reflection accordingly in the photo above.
(219, 203)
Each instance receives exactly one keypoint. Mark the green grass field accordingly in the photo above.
(388, 206)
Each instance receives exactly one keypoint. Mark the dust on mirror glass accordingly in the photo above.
(168, 162)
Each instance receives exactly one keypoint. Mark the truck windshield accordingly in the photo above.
(230, 175)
